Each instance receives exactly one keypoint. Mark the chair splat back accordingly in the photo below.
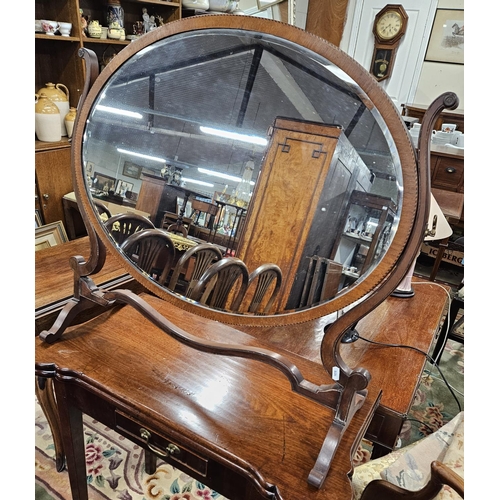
(264, 276)
(145, 247)
(121, 226)
(225, 273)
(204, 255)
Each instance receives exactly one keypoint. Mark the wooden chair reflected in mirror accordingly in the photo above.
(222, 281)
(200, 258)
(147, 246)
(121, 226)
(102, 209)
(262, 281)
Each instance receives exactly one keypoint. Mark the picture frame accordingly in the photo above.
(89, 169)
(50, 235)
(446, 43)
(131, 170)
(100, 181)
(38, 218)
(122, 187)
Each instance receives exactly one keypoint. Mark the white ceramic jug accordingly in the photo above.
(47, 119)
(69, 121)
(58, 93)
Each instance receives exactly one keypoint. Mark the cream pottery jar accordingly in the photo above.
(69, 121)
(47, 119)
(59, 94)
(94, 29)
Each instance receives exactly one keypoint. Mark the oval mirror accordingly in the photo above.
(261, 139)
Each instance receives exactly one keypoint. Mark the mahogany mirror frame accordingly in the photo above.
(415, 195)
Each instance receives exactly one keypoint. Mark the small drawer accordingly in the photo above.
(178, 455)
(448, 173)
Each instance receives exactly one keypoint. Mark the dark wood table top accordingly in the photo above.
(395, 321)
(54, 276)
(240, 412)
(412, 322)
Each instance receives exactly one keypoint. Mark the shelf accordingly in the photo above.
(44, 146)
(357, 237)
(157, 2)
(59, 38)
(106, 41)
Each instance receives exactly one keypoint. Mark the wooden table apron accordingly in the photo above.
(238, 416)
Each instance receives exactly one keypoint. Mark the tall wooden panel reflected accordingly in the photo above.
(291, 181)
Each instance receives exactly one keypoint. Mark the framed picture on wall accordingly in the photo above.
(89, 168)
(446, 43)
(103, 182)
(122, 187)
(131, 170)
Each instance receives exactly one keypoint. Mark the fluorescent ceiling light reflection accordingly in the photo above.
(140, 155)
(117, 111)
(234, 135)
(219, 174)
(194, 181)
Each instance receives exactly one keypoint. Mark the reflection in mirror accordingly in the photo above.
(192, 129)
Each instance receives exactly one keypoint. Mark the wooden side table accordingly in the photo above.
(231, 423)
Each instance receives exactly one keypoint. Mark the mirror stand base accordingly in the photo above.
(350, 336)
(403, 294)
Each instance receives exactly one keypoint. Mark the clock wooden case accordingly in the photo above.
(389, 28)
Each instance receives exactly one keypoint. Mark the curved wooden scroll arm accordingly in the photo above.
(330, 354)
(355, 381)
(440, 475)
(326, 395)
(97, 257)
(83, 287)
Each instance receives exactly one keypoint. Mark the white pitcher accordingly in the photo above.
(47, 119)
(58, 93)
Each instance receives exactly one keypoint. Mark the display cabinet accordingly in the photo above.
(365, 235)
(57, 61)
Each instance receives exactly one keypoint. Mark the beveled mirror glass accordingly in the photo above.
(196, 109)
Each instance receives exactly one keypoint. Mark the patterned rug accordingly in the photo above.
(115, 466)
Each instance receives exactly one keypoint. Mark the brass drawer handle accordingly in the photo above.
(171, 449)
(451, 170)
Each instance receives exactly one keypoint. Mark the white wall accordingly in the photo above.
(437, 78)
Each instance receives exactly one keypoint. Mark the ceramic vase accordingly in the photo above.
(69, 121)
(59, 94)
(47, 119)
(115, 13)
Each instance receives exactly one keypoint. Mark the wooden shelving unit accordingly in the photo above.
(57, 61)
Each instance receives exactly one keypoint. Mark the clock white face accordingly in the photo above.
(389, 25)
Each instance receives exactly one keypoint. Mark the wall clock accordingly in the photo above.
(389, 28)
